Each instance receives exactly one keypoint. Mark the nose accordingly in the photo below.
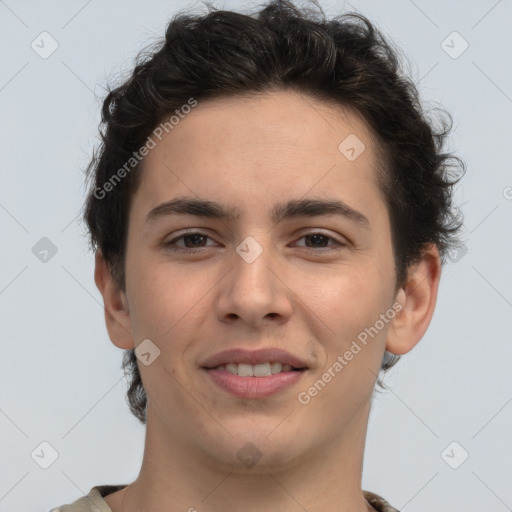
(255, 293)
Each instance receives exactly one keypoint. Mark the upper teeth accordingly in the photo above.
(255, 370)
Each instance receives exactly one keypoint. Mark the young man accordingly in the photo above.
(270, 212)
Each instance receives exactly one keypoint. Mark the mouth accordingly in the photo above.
(256, 370)
(267, 361)
(254, 373)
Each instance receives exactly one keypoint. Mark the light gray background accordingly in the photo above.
(60, 376)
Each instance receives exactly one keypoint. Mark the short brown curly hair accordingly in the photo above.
(345, 61)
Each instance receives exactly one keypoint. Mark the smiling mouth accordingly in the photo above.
(256, 370)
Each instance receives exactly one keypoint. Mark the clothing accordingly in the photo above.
(94, 502)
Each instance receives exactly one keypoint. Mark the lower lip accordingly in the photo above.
(254, 387)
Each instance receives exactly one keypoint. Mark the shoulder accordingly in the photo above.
(91, 502)
(378, 502)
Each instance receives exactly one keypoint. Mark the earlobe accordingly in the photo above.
(117, 313)
(417, 299)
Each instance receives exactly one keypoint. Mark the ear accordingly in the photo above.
(418, 300)
(117, 314)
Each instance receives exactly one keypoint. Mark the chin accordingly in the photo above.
(257, 450)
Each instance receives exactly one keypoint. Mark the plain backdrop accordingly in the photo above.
(60, 376)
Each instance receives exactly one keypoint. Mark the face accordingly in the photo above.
(274, 284)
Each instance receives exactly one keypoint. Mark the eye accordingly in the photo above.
(192, 241)
(318, 240)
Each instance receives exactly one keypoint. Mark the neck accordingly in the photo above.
(177, 478)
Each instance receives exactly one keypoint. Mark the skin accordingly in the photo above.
(309, 297)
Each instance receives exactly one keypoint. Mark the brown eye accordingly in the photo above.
(191, 241)
(319, 240)
(194, 240)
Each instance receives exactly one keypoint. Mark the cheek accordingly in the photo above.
(166, 303)
(353, 304)
(354, 352)
(355, 294)
(154, 304)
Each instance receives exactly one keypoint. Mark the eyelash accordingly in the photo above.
(170, 244)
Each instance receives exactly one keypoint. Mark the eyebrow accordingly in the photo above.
(288, 210)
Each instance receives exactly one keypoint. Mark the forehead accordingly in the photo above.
(280, 118)
(263, 146)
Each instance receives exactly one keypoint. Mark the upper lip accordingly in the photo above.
(264, 355)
